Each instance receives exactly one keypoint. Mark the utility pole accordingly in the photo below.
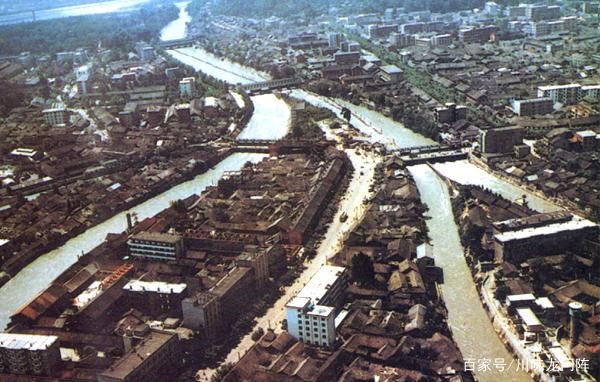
(33, 14)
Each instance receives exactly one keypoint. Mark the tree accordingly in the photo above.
(221, 372)
(362, 268)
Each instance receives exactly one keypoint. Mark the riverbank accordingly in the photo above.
(19, 261)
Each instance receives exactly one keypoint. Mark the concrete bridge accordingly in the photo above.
(281, 146)
(180, 43)
(272, 84)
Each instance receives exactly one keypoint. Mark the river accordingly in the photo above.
(74, 10)
(270, 120)
(471, 327)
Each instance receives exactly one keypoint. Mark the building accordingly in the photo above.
(310, 323)
(588, 139)
(592, 91)
(346, 58)
(149, 361)
(335, 39)
(441, 40)
(311, 313)
(57, 115)
(155, 297)
(145, 51)
(536, 106)
(187, 87)
(27, 354)
(501, 140)
(450, 113)
(492, 8)
(160, 246)
(548, 234)
(541, 12)
(529, 320)
(381, 31)
(202, 312)
(566, 94)
(400, 40)
(471, 34)
(390, 73)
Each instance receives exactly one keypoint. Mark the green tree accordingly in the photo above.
(362, 268)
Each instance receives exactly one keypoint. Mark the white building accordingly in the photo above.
(492, 8)
(565, 94)
(311, 314)
(57, 115)
(187, 87)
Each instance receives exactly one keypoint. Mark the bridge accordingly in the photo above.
(272, 84)
(280, 146)
(180, 43)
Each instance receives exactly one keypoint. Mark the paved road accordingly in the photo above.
(352, 204)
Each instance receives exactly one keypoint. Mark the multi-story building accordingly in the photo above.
(154, 297)
(145, 51)
(390, 73)
(335, 39)
(441, 40)
(187, 87)
(536, 106)
(346, 58)
(401, 40)
(149, 361)
(450, 113)
(541, 12)
(381, 31)
(57, 115)
(311, 313)
(28, 354)
(472, 34)
(548, 234)
(565, 94)
(501, 140)
(160, 246)
(492, 8)
(202, 312)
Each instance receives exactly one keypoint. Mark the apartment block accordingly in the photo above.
(311, 313)
(536, 106)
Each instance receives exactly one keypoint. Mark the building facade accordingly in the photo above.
(536, 106)
(27, 354)
(311, 313)
(157, 246)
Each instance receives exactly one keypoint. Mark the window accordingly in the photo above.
(324, 336)
(324, 330)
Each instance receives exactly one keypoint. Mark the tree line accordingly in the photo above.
(119, 30)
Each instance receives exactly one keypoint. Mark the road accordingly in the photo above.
(364, 163)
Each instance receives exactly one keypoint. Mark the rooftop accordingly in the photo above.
(576, 223)
(154, 286)
(26, 341)
(155, 236)
(319, 284)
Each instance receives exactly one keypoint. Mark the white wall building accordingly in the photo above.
(187, 87)
(311, 314)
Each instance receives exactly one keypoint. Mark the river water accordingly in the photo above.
(176, 29)
(270, 120)
(75, 10)
(471, 327)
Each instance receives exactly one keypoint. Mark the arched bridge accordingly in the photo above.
(272, 84)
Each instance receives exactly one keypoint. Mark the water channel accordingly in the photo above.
(471, 327)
